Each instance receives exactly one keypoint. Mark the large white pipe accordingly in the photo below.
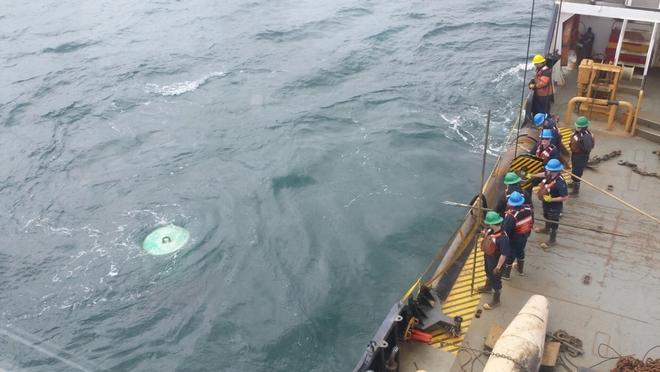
(522, 341)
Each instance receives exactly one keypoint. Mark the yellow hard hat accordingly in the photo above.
(538, 59)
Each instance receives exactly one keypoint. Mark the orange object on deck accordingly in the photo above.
(419, 336)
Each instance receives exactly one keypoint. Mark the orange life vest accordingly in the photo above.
(542, 81)
(523, 218)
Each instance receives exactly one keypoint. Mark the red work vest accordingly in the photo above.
(523, 218)
(543, 81)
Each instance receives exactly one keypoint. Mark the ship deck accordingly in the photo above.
(619, 304)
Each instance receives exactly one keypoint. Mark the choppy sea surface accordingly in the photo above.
(306, 145)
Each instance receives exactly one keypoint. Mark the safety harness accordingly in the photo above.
(545, 186)
(545, 153)
(577, 143)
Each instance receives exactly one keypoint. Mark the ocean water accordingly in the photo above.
(307, 146)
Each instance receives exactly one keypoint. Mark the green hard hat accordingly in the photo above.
(511, 178)
(582, 122)
(492, 218)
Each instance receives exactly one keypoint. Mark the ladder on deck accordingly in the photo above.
(636, 39)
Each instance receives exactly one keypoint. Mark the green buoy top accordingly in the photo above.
(165, 240)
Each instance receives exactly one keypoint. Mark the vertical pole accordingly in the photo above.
(649, 52)
(479, 196)
(483, 160)
(521, 120)
(619, 44)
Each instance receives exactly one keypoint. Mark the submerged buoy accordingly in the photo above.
(165, 240)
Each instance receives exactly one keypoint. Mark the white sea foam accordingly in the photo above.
(454, 124)
(513, 71)
(176, 89)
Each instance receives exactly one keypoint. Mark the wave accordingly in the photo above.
(455, 126)
(291, 181)
(312, 29)
(69, 47)
(387, 33)
(354, 11)
(467, 128)
(441, 28)
(513, 71)
(176, 89)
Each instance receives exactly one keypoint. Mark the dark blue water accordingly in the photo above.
(307, 146)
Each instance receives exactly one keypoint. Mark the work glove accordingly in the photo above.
(547, 197)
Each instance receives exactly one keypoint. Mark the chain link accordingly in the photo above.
(566, 339)
(600, 158)
(636, 169)
(522, 367)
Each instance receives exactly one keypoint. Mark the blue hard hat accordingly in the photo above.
(515, 199)
(546, 134)
(554, 165)
(539, 118)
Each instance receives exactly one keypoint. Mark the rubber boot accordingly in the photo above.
(576, 189)
(519, 265)
(553, 237)
(486, 288)
(552, 241)
(506, 272)
(494, 302)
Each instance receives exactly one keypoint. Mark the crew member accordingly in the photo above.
(518, 223)
(495, 245)
(512, 182)
(542, 86)
(544, 121)
(546, 151)
(553, 191)
(582, 142)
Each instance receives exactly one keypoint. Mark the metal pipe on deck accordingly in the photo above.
(520, 347)
(631, 131)
(570, 107)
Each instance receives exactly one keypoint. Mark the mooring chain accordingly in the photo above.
(485, 352)
(565, 338)
(600, 158)
(520, 365)
(636, 169)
